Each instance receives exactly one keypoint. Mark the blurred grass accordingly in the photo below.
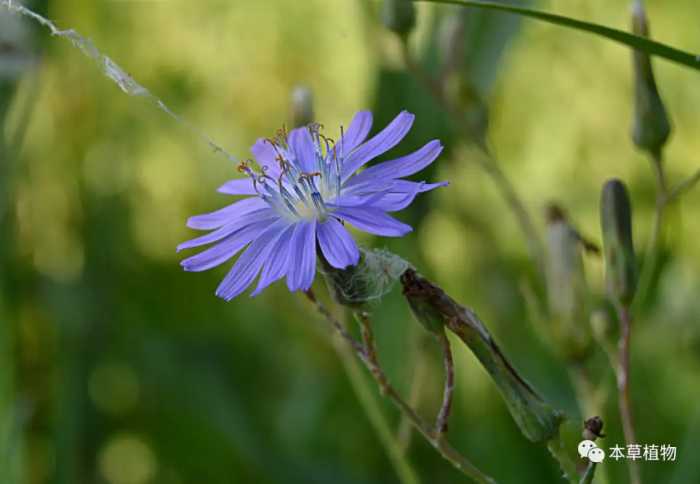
(133, 372)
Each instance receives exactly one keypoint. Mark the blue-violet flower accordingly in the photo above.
(305, 190)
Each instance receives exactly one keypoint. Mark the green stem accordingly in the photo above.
(620, 36)
(365, 395)
(655, 240)
(683, 187)
(590, 404)
(588, 475)
(623, 372)
(418, 380)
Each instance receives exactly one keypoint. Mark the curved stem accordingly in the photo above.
(368, 400)
(418, 379)
(444, 414)
(683, 187)
(623, 371)
(369, 357)
(345, 345)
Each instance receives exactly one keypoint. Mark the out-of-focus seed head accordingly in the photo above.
(651, 126)
(302, 106)
(616, 223)
(399, 16)
(568, 295)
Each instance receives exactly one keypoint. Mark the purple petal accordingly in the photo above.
(400, 167)
(228, 214)
(337, 244)
(266, 156)
(387, 195)
(380, 143)
(224, 250)
(264, 215)
(302, 145)
(277, 265)
(357, 131)
(249, 263)
(302, 251)
(373, 221)
(239, 186)
(388, 200)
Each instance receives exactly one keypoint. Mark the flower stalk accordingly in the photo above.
(367, 354)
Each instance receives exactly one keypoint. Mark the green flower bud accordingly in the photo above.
(399, 16)
(538, 421)
(651, 126)
(367, 281)
(567, 291)
(618, 248)
(302, 106)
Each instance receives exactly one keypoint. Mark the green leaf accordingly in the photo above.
(620, 36)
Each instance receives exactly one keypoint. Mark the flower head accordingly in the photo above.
(298, 199)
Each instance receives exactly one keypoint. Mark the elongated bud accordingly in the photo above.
(302, 106)
(567, 291)
(367, 281)
(433, 308)
(618, 248)
(399, 16)
(651, 126)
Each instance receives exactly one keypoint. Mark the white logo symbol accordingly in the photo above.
(587, 448)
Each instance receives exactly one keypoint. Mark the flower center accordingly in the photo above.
(294, 193)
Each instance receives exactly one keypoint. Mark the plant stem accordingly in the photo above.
(402, 466)
(588, 475)
(486, 161)
(651, 261)
(444, 414)
(683, 187)
(590, 403)
(623, 373)
(345, 345)
(405, 429)
(371, 362)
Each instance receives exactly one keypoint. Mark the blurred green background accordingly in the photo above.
(118, 367)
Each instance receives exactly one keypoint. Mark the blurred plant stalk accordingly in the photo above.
(16, 61)
(471, 124)
(621, 283)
